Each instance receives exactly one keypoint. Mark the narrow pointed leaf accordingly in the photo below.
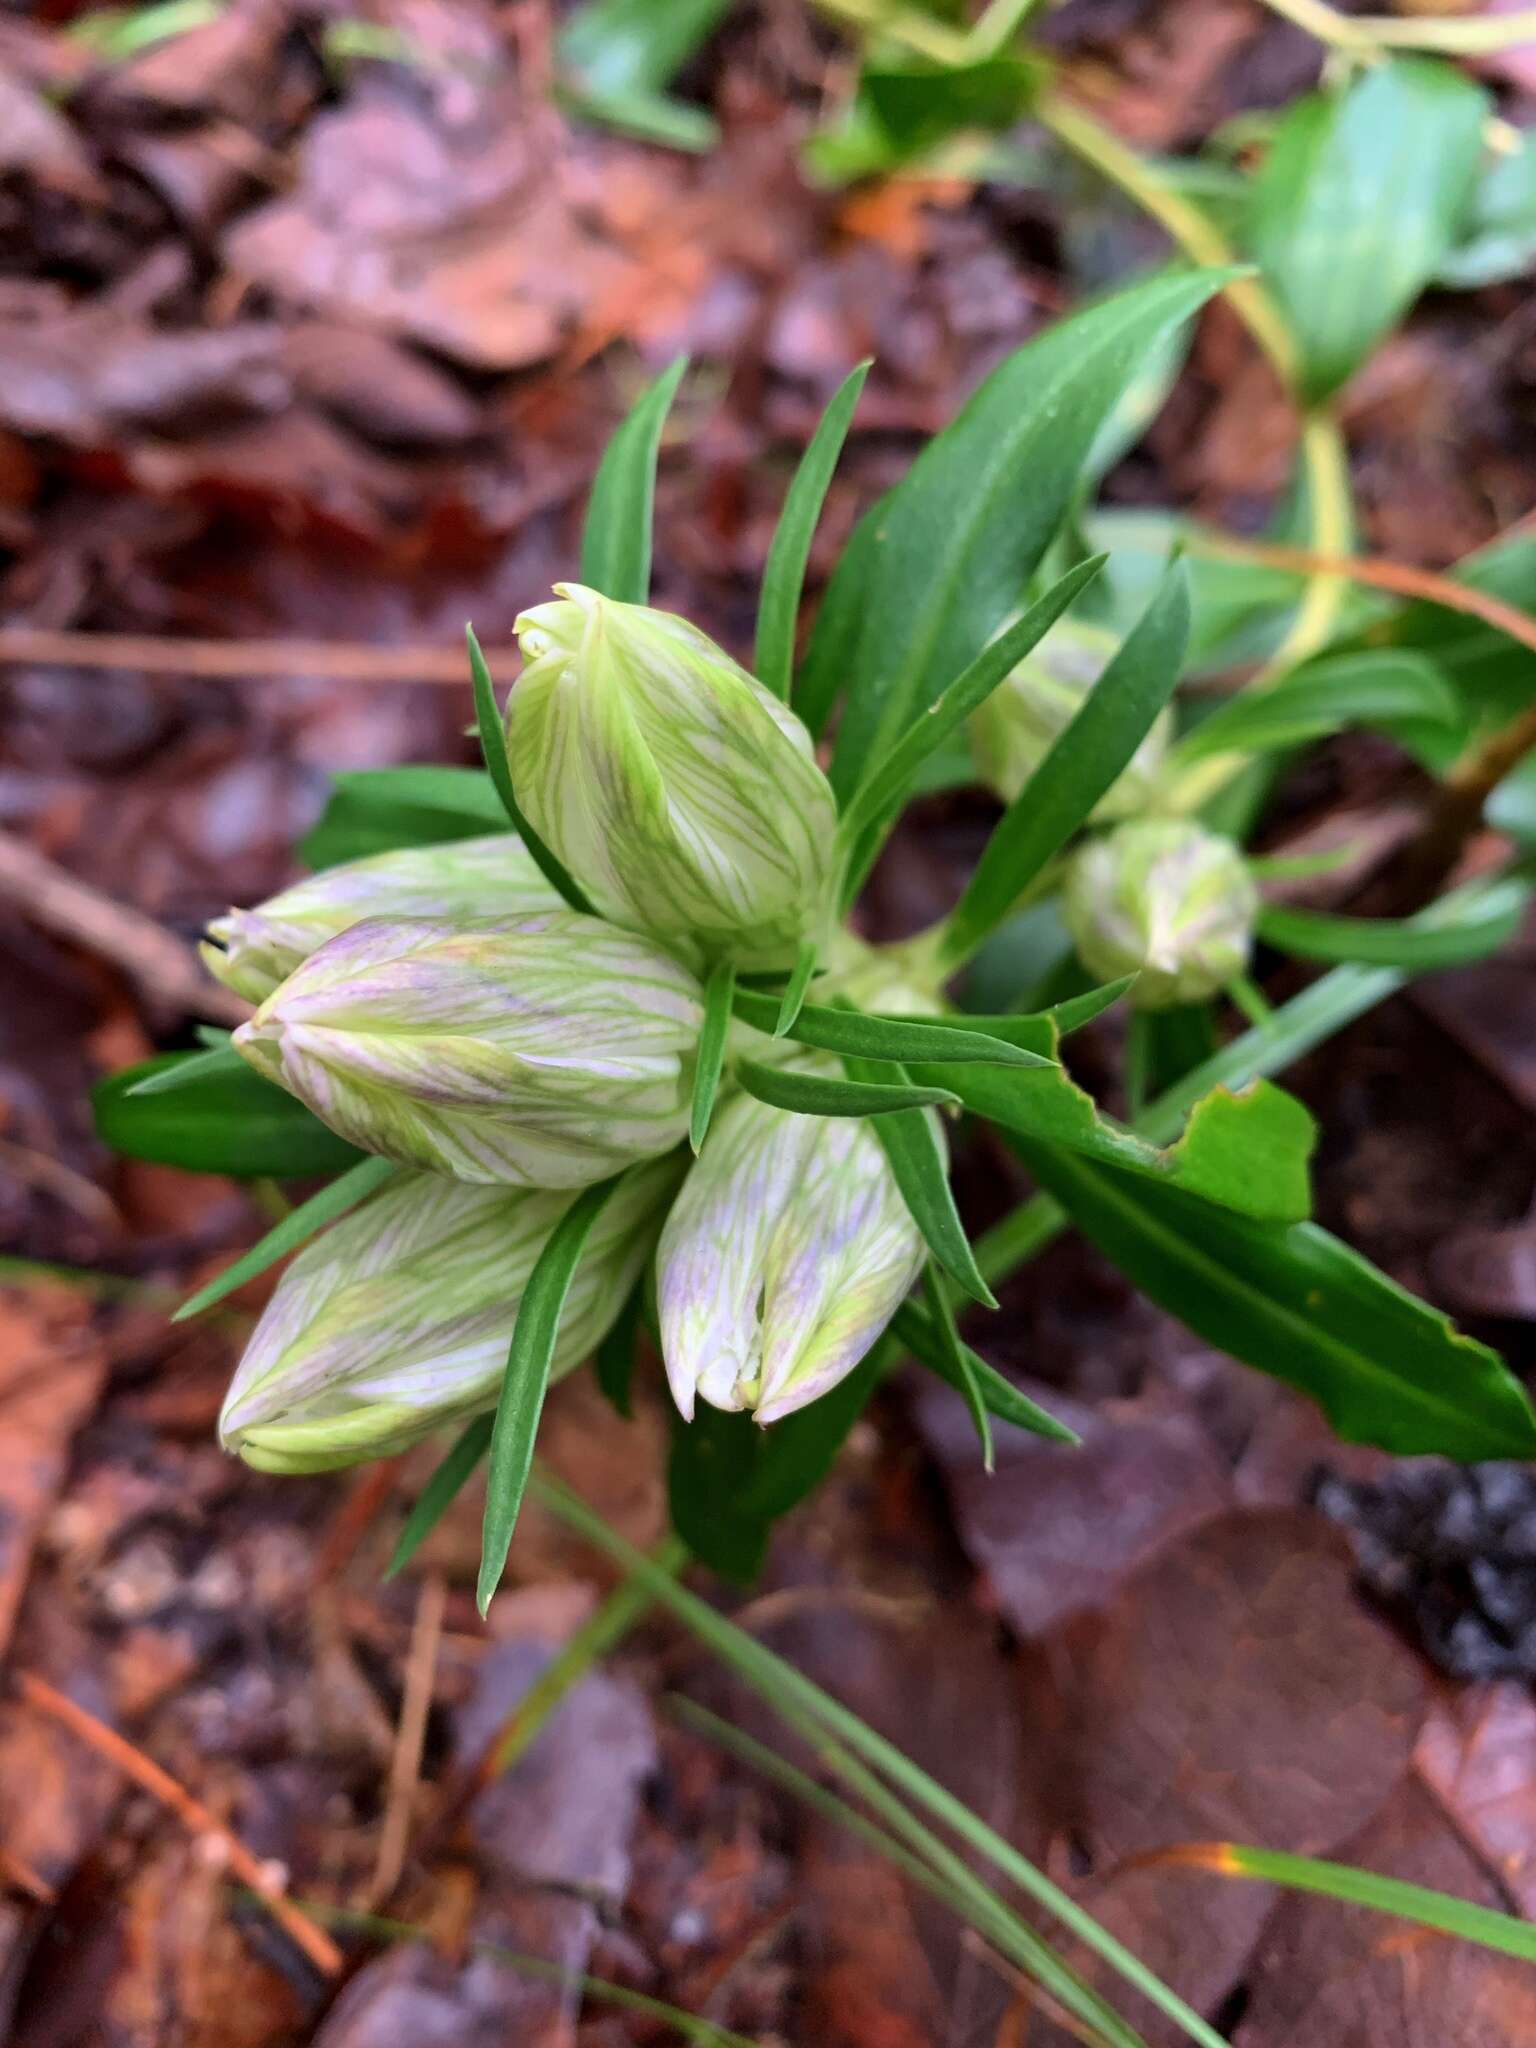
(891, 780)
(912, 1327)
(1407, 943)
(917, 1160)
(885, 1038)
(1087, 759)
(794, 994)
(821, 1095)
(216, 1062)
(778, 606)
(616, 539)
(225, 1119)
(718, 991)
(1378, 688)
(298, 1225)
(440, 1492)
(527, 1380)
(493, 745)
(957, 1367)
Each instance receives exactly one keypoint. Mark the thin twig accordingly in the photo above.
(164, 967)
(341, 661)
(190, 1811)
(410, 1738)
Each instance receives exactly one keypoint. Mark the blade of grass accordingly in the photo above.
(616, 536)
(718, 992)
(333, 1200)
(493, 745)
(527, 1380)
(790, 1693)
(778, 605)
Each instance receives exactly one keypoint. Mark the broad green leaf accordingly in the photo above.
(619, 47)
(718, 991)
(916, 107)
(1410, 943)
(950, 551)
(912, 1327)
(917, 1160)
(1386, 1368)
(1498, 237)
(493, 746)
(1361, 199)
(1114, 719)
(891, 780)
(227, 1121)
(375, 810)
(821, 1095)
(447, 1482)
(286, 1236)
(885, 1038)
(527, 1380)
(778, 604)
(185, 1070)
(616, 538)
(1247, 1151)
(1374, 689)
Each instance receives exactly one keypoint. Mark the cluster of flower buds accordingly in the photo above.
(443, 1009)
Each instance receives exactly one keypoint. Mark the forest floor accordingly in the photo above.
(297, 344)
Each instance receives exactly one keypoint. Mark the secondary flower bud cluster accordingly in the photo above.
(445, 1009)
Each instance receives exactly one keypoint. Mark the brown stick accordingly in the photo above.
(410, 1737)
(191, 1812)
(342, 661)
(163, 966)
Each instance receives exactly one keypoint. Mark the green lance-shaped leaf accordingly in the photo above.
(941, 563)
(1408, 942)
(1378, 689)
(616, 539)
(222, 1119)
(1290, 1299)
(546, 1051)
(296, 1228)
(490, 876)
(778, 604)
(718, 991)
(958, 1368)
(526, 1381)
(913, 1328)
(380, 810)
(684, 797)
(493, 746)
(888, 1038)
(1090, 755)
(1360, 199)
(911, 1142)
(617, 56)
(449, 1478)
(815, 1094)
(792, 1002)
(891, 780)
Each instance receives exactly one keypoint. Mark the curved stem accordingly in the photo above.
(1325, 463)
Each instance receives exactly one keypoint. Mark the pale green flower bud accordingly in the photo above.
(251, 951)
(1164, 900)
(679, 792)
(1032, 707)
(785, 1255)
(545, 1051)
(396, 1321)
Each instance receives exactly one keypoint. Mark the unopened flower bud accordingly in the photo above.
(396, 1321)
(251, 951)
(679, 792)
(785, 1255)
(1164, 900)
(545, 1051)
(1032, 707)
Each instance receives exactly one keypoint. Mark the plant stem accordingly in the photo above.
(1328, 25)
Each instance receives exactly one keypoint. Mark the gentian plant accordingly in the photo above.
(599, 1059)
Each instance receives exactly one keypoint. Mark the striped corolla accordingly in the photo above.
(251, 951)
(1164, 900)
(396, 1322)
(545, 1051)
(784, 1256)
(682, 795)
